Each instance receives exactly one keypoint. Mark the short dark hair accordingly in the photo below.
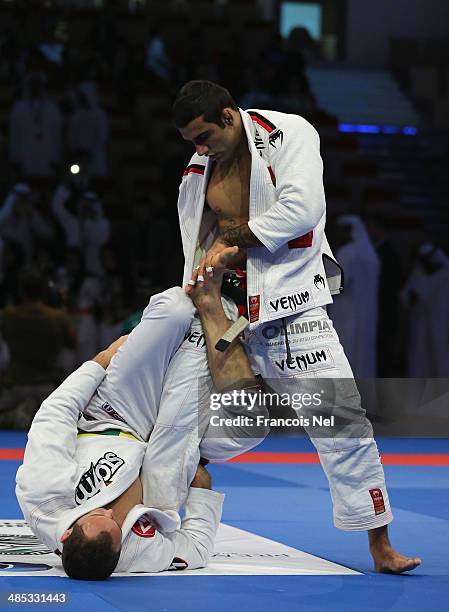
(201, 98)
(89, 559)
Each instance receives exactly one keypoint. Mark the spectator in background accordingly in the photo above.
(46, 262)
(21, 222)
(80, 293)
(2, 249)
(426, 295)
(141, 297)
(255, 96)
(300, 44)
(388, 297)
(4, 351)
(354, 313)
(35, 129)
(13, 259)
(88, 129)
(157, 60)
(4, 361)
(35, 334)
(112, 295)
(151, 238)
(10, 50)
(86, 228)
(127, 73)
(296, 98)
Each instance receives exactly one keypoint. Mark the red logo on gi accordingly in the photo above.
(378, 500)
(254, 307)
(144, 528)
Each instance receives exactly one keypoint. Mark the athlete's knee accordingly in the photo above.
(179, 304)
(175, 302)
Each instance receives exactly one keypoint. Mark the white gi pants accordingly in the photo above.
(151, 384)
(182, 433)
(348, 453)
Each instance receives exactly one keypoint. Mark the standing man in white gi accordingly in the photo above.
(256, 182)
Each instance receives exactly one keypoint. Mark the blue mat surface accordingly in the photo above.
(290, 504)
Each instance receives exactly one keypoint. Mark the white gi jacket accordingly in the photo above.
(64, 476)
(286, 212)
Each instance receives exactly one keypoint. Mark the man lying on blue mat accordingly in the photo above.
(81, 487)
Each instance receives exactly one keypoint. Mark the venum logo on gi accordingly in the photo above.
(319, 282)
(195, 338)
(96, 476)
(305, 362)
(276, 137)
(288, 303)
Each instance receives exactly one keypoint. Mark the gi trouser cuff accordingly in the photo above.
(364, 523)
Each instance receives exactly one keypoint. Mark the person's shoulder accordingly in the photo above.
(273, 120)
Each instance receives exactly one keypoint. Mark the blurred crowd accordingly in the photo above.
(85, 239)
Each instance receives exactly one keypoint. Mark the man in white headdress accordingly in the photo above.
(86, 230)
(355, 312)
(21, 222)
(88, 129)
(427, 296)
(35, 129)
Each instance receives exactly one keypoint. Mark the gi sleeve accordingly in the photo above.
(194, 542)
(147, 549)
(298, 170)
(46, 481)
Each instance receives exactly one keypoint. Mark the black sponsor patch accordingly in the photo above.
(97, 476)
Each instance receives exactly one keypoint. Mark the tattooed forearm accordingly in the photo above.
(240, 236)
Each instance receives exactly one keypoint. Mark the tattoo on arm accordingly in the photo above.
(240, 236)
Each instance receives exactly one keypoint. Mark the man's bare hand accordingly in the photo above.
(104, 357)
(202, 479)
(202, 285)
(218, 247)
(206, 289)
(206, 269)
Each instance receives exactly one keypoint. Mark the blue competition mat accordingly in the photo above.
(288, 503)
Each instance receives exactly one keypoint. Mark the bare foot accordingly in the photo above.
(386, 559)
(391, 562)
